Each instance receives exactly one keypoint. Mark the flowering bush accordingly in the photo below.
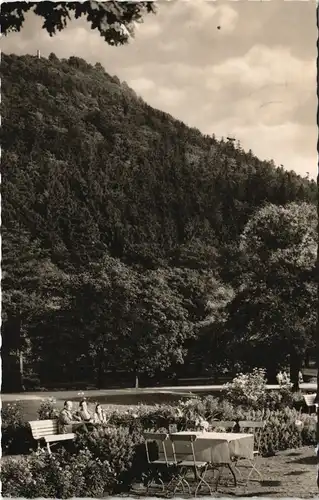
(48, 410)
(15, 434)
(57, 476)
(123, 449)
(248, 389)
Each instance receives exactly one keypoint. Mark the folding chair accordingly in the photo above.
(161, 461)
(256, 428)
(199, 467)
(310, 402)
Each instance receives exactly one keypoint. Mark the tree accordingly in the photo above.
(274, 310)
(114, 20)
(126, 320)
(31, 284)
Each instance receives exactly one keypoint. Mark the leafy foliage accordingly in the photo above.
(248, 389)
(15, 433)
(114, 20)
(275, 309)
(56, 476)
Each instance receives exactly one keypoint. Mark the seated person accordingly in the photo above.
(67, 421)
(99, 415)
(83, 413)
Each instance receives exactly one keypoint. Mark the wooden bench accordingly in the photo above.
(47, 431)
(310, 401)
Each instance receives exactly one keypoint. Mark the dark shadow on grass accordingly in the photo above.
(270, 482)
(296, 473)
(306, 461)
(250, 494)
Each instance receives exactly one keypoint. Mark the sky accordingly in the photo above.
(253, 79)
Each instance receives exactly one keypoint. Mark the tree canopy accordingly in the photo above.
(113, 20)
(274, 309)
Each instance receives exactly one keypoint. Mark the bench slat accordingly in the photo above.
(59, 437)
(42, 428)
(48, 431)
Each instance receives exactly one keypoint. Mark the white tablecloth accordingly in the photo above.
(214, 447)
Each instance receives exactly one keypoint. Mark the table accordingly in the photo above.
(217, 448)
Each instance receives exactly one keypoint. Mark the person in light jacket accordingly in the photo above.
(99, 415)
(68, 421)
(83, 412)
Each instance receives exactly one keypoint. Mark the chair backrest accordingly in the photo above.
(251, 424)
(256, 427)
(159, 438)
(310, 399)
(187, 438)
(155, 436)
(183, 445)
(42, 428)
(223, 424)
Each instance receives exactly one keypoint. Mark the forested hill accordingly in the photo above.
(89, 168)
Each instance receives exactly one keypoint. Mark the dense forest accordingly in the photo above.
(124, 238)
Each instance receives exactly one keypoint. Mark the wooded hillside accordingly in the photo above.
(120, 224)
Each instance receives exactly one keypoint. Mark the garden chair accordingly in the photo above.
(162, 461)
(256, 428)
(310, 402)
(183, 445)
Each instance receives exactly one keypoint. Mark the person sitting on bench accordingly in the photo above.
(83, 412)
(99, 415)
(68, 422)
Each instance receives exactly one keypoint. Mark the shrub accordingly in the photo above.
(123, 449)
(283, 398)
(56, 476)
(248, 389)
(282, 431)
(308, 430)
(48, 410)
(15, 433)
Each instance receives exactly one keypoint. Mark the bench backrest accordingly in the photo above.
(41, 428)
(310, 399)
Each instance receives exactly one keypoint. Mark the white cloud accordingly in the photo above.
(141, 84)
(266, 66)
(169, 96)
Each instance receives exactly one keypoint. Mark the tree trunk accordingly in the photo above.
(20, 354)
(100, 373)
(136, 380)
(295, 365)
(307, 360)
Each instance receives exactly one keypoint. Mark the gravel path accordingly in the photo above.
(289, 474)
